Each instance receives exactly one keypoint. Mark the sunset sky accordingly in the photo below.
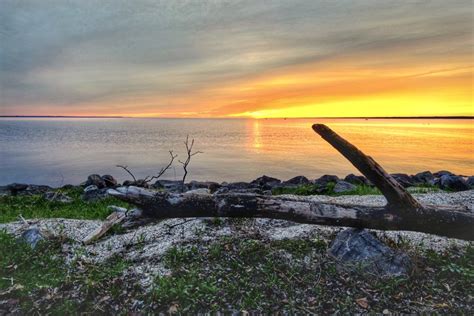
(236, 58)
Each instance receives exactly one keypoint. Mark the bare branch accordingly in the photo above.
(164, 169)
(189, 153)
(128, 171)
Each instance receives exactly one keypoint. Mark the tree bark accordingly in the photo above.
(402, 212)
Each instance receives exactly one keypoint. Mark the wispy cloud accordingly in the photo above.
(227, 57)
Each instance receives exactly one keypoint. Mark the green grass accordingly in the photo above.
(297, 276)
(41, 281)
(311, 189)
(36, 206)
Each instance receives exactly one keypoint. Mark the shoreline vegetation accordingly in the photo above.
(227, 265)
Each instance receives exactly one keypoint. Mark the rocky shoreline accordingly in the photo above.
(96, 186)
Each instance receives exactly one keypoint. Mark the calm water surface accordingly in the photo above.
(60, 151)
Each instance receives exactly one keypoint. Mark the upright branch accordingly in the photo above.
(162, 170)
(189, 153)
(128, 171)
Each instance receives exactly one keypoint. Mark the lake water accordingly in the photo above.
(58, 151)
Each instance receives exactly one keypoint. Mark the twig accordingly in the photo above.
(164, 169)
(128, 171)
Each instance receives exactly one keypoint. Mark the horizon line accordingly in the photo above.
(243, 117)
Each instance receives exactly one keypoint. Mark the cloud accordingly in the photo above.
(126, 57)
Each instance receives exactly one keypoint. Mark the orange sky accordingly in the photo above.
(242, 59)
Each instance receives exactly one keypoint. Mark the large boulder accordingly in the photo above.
(95, 179)
(109, 181)
(325, 180)
(239, 187)
(266, 182)
(441, 173)
(357, 248)
(404, 179)
(452, 183)
(344, 187)
(425, 177)
(296, 181)
(357, 180)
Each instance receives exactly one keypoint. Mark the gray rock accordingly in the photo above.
(343, 186)
(15, 188)
(168, 185)
(95, 179)
(299, 180)
(404, 179)
(266, 182)
(32, 236)
(325, 180)
(358, 248)
(470, 181)
(90, 188)
(57, 197)
(93, 193)
(109, 181)
(425, 177)
(452, 183)
(357, 180)
(212, 186)
(441, 173)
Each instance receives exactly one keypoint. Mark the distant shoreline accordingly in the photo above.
(233, 118)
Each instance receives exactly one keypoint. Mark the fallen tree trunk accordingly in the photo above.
(402, 212)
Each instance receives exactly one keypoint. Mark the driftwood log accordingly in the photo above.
(402, 211)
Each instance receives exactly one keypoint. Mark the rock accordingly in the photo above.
(325, 180)
(95, 179)
(358, 248)
(404, 179)
(93, 193)
(452, 183)
(299, 180)
(168, 185)
(32, 236)
(212, 186)
(57, 197)
(470, 181)
(15, 188)
(90, 188)
(109, 181)
(357, 180)
(266, 182)
(343, 186)
(425, 177)
(141, 183)
(441, 173)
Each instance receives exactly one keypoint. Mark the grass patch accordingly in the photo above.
(297, 276)
(35, 206)
(311, 189)
(38, 281)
